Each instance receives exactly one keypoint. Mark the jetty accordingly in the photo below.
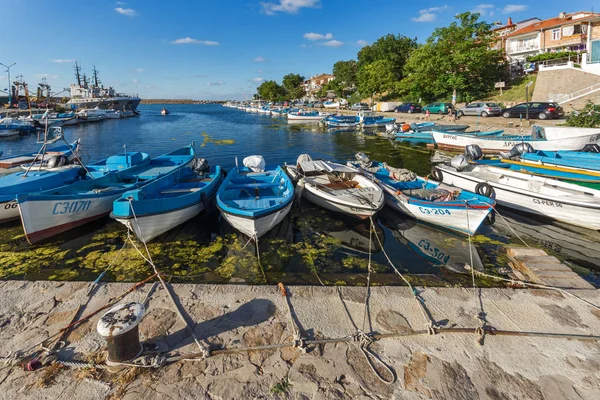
(308, 342)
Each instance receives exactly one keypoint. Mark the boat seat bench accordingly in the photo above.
(252, 185)
(181, 190)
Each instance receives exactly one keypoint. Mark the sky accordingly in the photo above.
(217, 49)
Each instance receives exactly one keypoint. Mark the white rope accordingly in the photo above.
(205, 351)
(478, 316)
(428, 320)
(510, 227)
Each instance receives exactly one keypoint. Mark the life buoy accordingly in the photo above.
(436, 174)
(405, 128)
(484, 189)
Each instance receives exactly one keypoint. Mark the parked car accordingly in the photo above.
(360, 107)
(318, 104)
(484, 109)
(437, 108)
(537, 110)
(408, 108)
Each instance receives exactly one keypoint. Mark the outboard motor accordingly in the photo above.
(201, 165)
(460, 162)
(520, 148)
(591, 148)
(363, 159)
(57, 161)
(473, 152)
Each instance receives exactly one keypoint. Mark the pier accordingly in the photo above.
(468, 344)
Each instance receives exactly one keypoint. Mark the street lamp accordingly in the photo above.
(9, 86)
(527, 99)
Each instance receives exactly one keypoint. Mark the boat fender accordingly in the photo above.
(405, 128)
(436, 174)
(484, 189)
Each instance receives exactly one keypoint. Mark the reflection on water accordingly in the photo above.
(311, 246)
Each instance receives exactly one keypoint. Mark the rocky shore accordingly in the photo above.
(413, 361)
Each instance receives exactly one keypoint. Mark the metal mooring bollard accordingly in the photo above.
(120, 328)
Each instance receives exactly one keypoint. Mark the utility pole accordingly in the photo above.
(9, 84)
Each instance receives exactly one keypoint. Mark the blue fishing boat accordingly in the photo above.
(47, 213)
(255, 198)
(425, 136)
(573, 159)
(438, 204)
(168, 201)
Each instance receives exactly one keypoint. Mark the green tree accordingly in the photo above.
(456, 60)
(377, 77)
(395, 49)
(345, 72)
(270, 91)
(292, 84)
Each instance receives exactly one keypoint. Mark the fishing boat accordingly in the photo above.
(494, 144)
(48, 213)
(254, 198)
(91, 115)
(336, 187)
(11, 164)
(168, 201)
(331, 104)
(307, 116)
(113, 114)
(550, 198)
(164, 111)
(341, 121)
(425, 200)
(571, 159)
(8, 127)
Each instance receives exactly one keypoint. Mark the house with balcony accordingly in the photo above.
(567, 32)
(502, 31)
(315, 83)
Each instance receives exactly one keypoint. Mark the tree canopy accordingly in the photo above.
(345, 72)
(395, 49)
(292, 83)
(270, 91)
(456, 60)
(377, 77)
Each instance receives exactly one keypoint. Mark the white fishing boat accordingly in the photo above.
(307, 116)
(551, 198)
(113, 114)
(337, 187)
(91, 115)
(496, 144)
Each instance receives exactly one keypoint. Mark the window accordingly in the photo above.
(556, 34)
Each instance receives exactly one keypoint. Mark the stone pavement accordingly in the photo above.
(441, 366)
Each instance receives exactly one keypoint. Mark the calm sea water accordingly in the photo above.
(310, 245)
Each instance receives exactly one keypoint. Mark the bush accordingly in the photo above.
(587, 117)
(552, 56)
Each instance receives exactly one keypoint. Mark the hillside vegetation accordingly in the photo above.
(516, 92)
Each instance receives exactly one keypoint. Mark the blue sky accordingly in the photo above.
(217, 49)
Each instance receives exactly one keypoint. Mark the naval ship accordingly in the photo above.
(86, 94)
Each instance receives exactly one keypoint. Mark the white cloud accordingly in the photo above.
(484, 9)
(60, 61)
(136, 81)
(332, 43)
(120, 3)
(318, 36)
(40, 76)
(289, 6)
(130, 12)
(215, 83)
(189, 40)
(257, 79)
(511, 8)
(140, 70)
(259, 59)
(362, 43)
(429, 14)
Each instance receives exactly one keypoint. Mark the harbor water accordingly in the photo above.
(311, 246)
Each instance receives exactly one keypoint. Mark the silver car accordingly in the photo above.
(484, 109)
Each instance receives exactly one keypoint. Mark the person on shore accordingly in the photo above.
(427, 114)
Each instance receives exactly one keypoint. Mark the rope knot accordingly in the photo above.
(430, 329)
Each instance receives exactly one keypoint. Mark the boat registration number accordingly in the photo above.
(12, 204)
(547, 203)
(71, 207)
(453, 137)
(434, 211)
(434, 251)
(593, 139)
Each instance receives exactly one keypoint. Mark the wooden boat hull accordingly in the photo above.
(258, 226)
(506, 192)
(454, 142)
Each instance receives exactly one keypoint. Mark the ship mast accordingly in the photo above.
(85, 81)
(77, 70)
(96, 81)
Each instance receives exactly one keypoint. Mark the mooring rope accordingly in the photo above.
(202, 348)
(478, 304)
(510, 227)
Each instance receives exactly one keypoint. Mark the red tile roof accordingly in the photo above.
(553, 23)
